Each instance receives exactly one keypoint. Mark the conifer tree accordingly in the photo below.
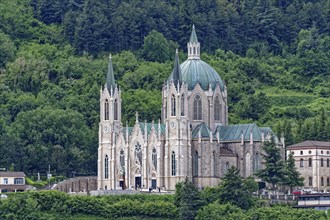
(292, 175)
(235, 190)
(273, 172)
(188, 198)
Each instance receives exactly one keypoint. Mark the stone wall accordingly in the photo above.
(78, 184)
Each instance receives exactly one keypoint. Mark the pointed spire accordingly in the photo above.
(193, 45)
(177, 78)
(193, 36)
(110, 81)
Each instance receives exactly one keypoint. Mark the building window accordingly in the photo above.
(106, 167)
(106, 110)
(322, 181)
(301, 162)
(122, 160)
(195, 166)
(197, 108)
(18, 181)
(173, 105)
(328, 162)
(321, 151)
(301, 152)
(173, 164)
(328, 152)
(217, 109)
(154, 158)
(310, 181)
(310, 162)
(138, 153)
(257, 162)
(227, 167)
(214, 164)
(322, 162)
(182, 105)
(115, 110)
(5, 181)
(194, 50)
(328, 181)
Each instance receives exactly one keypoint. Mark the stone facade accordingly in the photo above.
(78, 184)
(312, 159)
(192, 139)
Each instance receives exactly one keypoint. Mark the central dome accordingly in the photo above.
(195, 71)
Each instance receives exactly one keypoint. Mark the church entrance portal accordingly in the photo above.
(137, 182)
(153, 184)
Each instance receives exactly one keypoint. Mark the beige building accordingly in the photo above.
(192, 139)
(12, 181)
(312, 160)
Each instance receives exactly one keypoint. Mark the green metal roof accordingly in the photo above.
(177, 77)
(195, 71)
(149, 127)
(193, 36)
(110, 81)
(233, 132)
(205, 131)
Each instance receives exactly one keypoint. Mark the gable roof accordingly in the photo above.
(204, 130)
(149, 126)
(233, 133)
(11, 174)
(312, 144)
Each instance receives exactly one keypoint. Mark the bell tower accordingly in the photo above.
(110, 123)
(175, 108)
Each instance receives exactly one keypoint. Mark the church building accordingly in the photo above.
(193, 138)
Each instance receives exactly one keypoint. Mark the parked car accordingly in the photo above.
(296, 192)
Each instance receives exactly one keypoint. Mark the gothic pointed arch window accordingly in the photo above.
(106, 110)
(195, 164)
(217, 109)
(227, 167)
(154, 158)
(106, 167)
(194, 50)
(122, 160)
(197, 108)
(257, 162)
(182, 105)
(138, 153)
(173, 106)
(173, 162)
(115, 106)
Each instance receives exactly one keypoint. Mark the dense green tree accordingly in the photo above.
(233, 189)
(187, 199)
(273, 172)
(292, 175)
(7, 49)
(156, 47)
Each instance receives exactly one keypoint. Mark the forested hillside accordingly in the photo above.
(273, 55)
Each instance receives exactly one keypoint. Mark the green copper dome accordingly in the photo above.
(195, 71)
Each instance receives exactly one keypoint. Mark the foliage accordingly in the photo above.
(272, 55)
(273, 171)
(155, 47)
(293, 177)
(218, 211)
(233, 189)
(188, 199)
